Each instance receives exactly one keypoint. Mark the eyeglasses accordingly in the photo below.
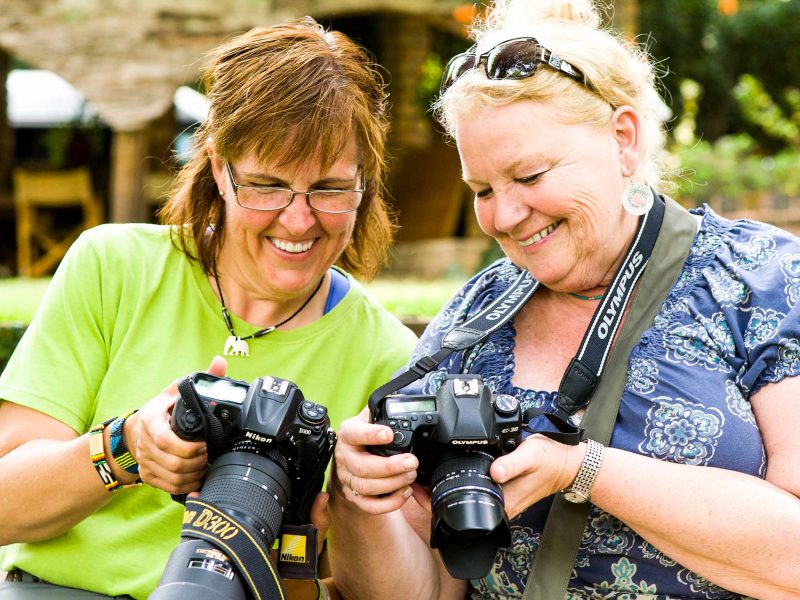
(270, 197)
(513, 59)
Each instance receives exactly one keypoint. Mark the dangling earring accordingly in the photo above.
(637, 198)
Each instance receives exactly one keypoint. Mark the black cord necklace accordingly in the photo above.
(238, 346)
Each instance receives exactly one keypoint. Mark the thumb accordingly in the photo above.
(218, 367)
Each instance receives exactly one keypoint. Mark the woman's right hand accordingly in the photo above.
(374, 484)
(166, 461)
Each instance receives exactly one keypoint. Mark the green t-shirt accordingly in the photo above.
(125, 314)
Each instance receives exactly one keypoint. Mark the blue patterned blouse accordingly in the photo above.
(729, 325)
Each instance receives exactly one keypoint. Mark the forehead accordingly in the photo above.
(317, 162)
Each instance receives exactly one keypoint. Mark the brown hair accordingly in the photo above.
(287, 93)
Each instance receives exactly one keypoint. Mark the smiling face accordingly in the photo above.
(281, 254)
(549, 192)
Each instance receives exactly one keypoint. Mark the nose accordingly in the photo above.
(509, 210)
(297, 217)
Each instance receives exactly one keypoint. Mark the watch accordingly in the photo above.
(578, 491)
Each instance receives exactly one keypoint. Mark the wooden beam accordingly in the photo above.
(128, 164)
(6, 133)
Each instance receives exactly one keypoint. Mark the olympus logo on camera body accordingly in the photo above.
(469, 442)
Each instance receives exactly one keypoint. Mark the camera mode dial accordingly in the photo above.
(506, 404)
(311, 413)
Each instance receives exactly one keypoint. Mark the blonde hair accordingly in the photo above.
(618, 70)
(288, 93)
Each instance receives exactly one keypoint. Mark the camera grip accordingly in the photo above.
(186, 422)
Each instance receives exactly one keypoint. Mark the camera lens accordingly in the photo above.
(253, 489)
(469, 520)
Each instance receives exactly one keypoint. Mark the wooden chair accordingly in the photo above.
(40, 245)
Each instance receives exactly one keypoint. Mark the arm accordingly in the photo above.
(734, 529)
(380, 544)
(41, 457)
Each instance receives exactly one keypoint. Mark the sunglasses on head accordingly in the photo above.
(513, 59)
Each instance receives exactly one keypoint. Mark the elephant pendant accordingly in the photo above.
(235, 346)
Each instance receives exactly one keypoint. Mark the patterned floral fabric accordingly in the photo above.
(729, 326)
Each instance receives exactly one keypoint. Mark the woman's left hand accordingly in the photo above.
(537, 468)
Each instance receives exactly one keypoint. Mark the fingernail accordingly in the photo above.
(501, 473)
(385, 436)
(410, 463)
(407, 492)
(411, 475)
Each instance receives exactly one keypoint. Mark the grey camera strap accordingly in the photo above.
(558, 548)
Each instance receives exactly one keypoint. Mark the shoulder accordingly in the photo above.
(742, 267)
(113, 236)
(123, 245)
(747, 242)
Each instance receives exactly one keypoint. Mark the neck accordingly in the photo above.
(261, 310)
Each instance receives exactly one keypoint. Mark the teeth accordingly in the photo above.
(541, 235)
(294, 247)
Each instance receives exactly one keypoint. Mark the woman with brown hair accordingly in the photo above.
(282, 202)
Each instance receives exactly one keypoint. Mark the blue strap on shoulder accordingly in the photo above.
(340, 285)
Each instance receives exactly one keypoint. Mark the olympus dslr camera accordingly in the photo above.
(456, 435)
(266, 470)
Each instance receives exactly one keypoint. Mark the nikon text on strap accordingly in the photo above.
(558, 547)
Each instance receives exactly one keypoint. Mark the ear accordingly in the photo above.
(216, 164)
(626, 126)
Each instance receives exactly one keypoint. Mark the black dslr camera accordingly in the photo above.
(456, 435)
(268, 448)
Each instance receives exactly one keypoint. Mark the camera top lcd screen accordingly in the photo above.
(398, 406)
(221, 389)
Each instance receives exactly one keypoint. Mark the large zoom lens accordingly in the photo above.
(252, 489)
(469, 519)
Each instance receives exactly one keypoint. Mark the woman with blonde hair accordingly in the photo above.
(667, 340)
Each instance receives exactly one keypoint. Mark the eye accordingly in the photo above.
(531, 179)
(485, 193)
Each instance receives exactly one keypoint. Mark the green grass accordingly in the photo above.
(19, 298)
(414, 297)
(405, 298)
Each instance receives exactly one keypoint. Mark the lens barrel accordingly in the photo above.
(469, 519)
(251, 488)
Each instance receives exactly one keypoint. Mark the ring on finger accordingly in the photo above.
(350, 485)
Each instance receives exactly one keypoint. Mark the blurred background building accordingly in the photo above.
(110, 86)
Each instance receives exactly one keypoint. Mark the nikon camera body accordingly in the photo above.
(456, 435)
(268, 456)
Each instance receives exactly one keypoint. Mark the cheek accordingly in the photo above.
(485, 215)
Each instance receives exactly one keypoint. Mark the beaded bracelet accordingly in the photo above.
(97, 453)
(119, 450)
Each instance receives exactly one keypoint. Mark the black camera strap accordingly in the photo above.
(212, 428)
(583, 374)
(239, 542)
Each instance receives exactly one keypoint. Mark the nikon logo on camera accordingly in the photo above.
(469, 442)
(293, 548)
(211, 522)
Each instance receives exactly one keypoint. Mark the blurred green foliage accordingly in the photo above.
(691, 39)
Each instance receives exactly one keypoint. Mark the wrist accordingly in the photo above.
(121, 451)
(578, 490)
(120, 474)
